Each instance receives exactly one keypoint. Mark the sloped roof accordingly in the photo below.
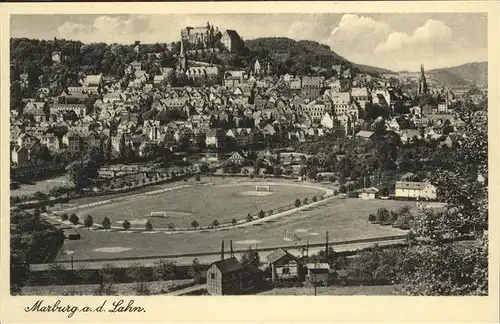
(228, 265)
(365, 134)
(279, 254)
(411, 185)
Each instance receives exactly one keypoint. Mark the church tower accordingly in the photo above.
(423, 82)
(182, 59)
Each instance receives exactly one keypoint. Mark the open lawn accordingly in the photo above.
(203, 204)
(335, 291)
(44, 186)
(344, 219)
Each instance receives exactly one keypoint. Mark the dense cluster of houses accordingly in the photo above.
(144, 111)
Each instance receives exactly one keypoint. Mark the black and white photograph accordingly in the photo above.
(313, 154)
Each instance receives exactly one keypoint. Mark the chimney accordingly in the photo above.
(222, 251)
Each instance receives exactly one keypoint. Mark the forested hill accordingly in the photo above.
(297, 55)
(476, 72)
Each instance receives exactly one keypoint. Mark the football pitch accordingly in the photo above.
(200, 203)
(344, 219)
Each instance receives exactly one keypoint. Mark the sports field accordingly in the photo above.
(344, 219)
(202, 204)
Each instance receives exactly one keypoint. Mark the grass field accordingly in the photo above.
(345, 219)
(203, 204)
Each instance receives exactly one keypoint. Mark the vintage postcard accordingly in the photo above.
(155, 158)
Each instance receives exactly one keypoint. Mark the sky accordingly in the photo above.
(396, 41)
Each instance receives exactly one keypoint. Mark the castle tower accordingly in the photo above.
(182, 59)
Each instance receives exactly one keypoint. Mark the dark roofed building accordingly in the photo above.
(230, 277)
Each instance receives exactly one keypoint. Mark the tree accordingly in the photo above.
(74, 219)
(305, 201)
(443, 270)
(194, 224)
(149, 226)
(382, 216)
(215, 223)
(297, 202)
(89, 221)
(251, 257)
(106, 223)
(234, 221)
(195, 271)
(249, 217)
(164, 270)
(126, 225)
(107, 276)
(64, 217)
(314, 199)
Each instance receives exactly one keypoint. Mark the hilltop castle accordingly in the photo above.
(200, 36)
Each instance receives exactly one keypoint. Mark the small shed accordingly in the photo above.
(318, 273)
(230, 277)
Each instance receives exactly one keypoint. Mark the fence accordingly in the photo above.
(266, 249)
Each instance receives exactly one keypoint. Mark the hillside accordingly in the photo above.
(295, 55)
(476, 72)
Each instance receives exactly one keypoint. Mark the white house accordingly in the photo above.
(406, 189)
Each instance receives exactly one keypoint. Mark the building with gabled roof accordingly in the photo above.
(230, 277)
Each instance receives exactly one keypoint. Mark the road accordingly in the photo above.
(206, 259)
(187, 290)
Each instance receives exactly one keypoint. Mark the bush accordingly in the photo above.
(194, 224)
(197, 178)
(249, 217)
(171, 226)
(74, 219)
(353, 194)
(262, 214)
(393, 217)
(297, 202)
(234, 221)
(335, 192)
(270, 212)
(382, 216)
(43, 209)
(314, 199)
(64, 217)
(252, 176)
(164, 270)
(372, 218)
(215, 223)
(342, 189)
(305, 201)
(148, 226)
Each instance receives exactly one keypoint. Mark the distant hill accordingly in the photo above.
(296, 54)
(469, 73)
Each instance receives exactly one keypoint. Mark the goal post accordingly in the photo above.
(158, 214)
(262, 188)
